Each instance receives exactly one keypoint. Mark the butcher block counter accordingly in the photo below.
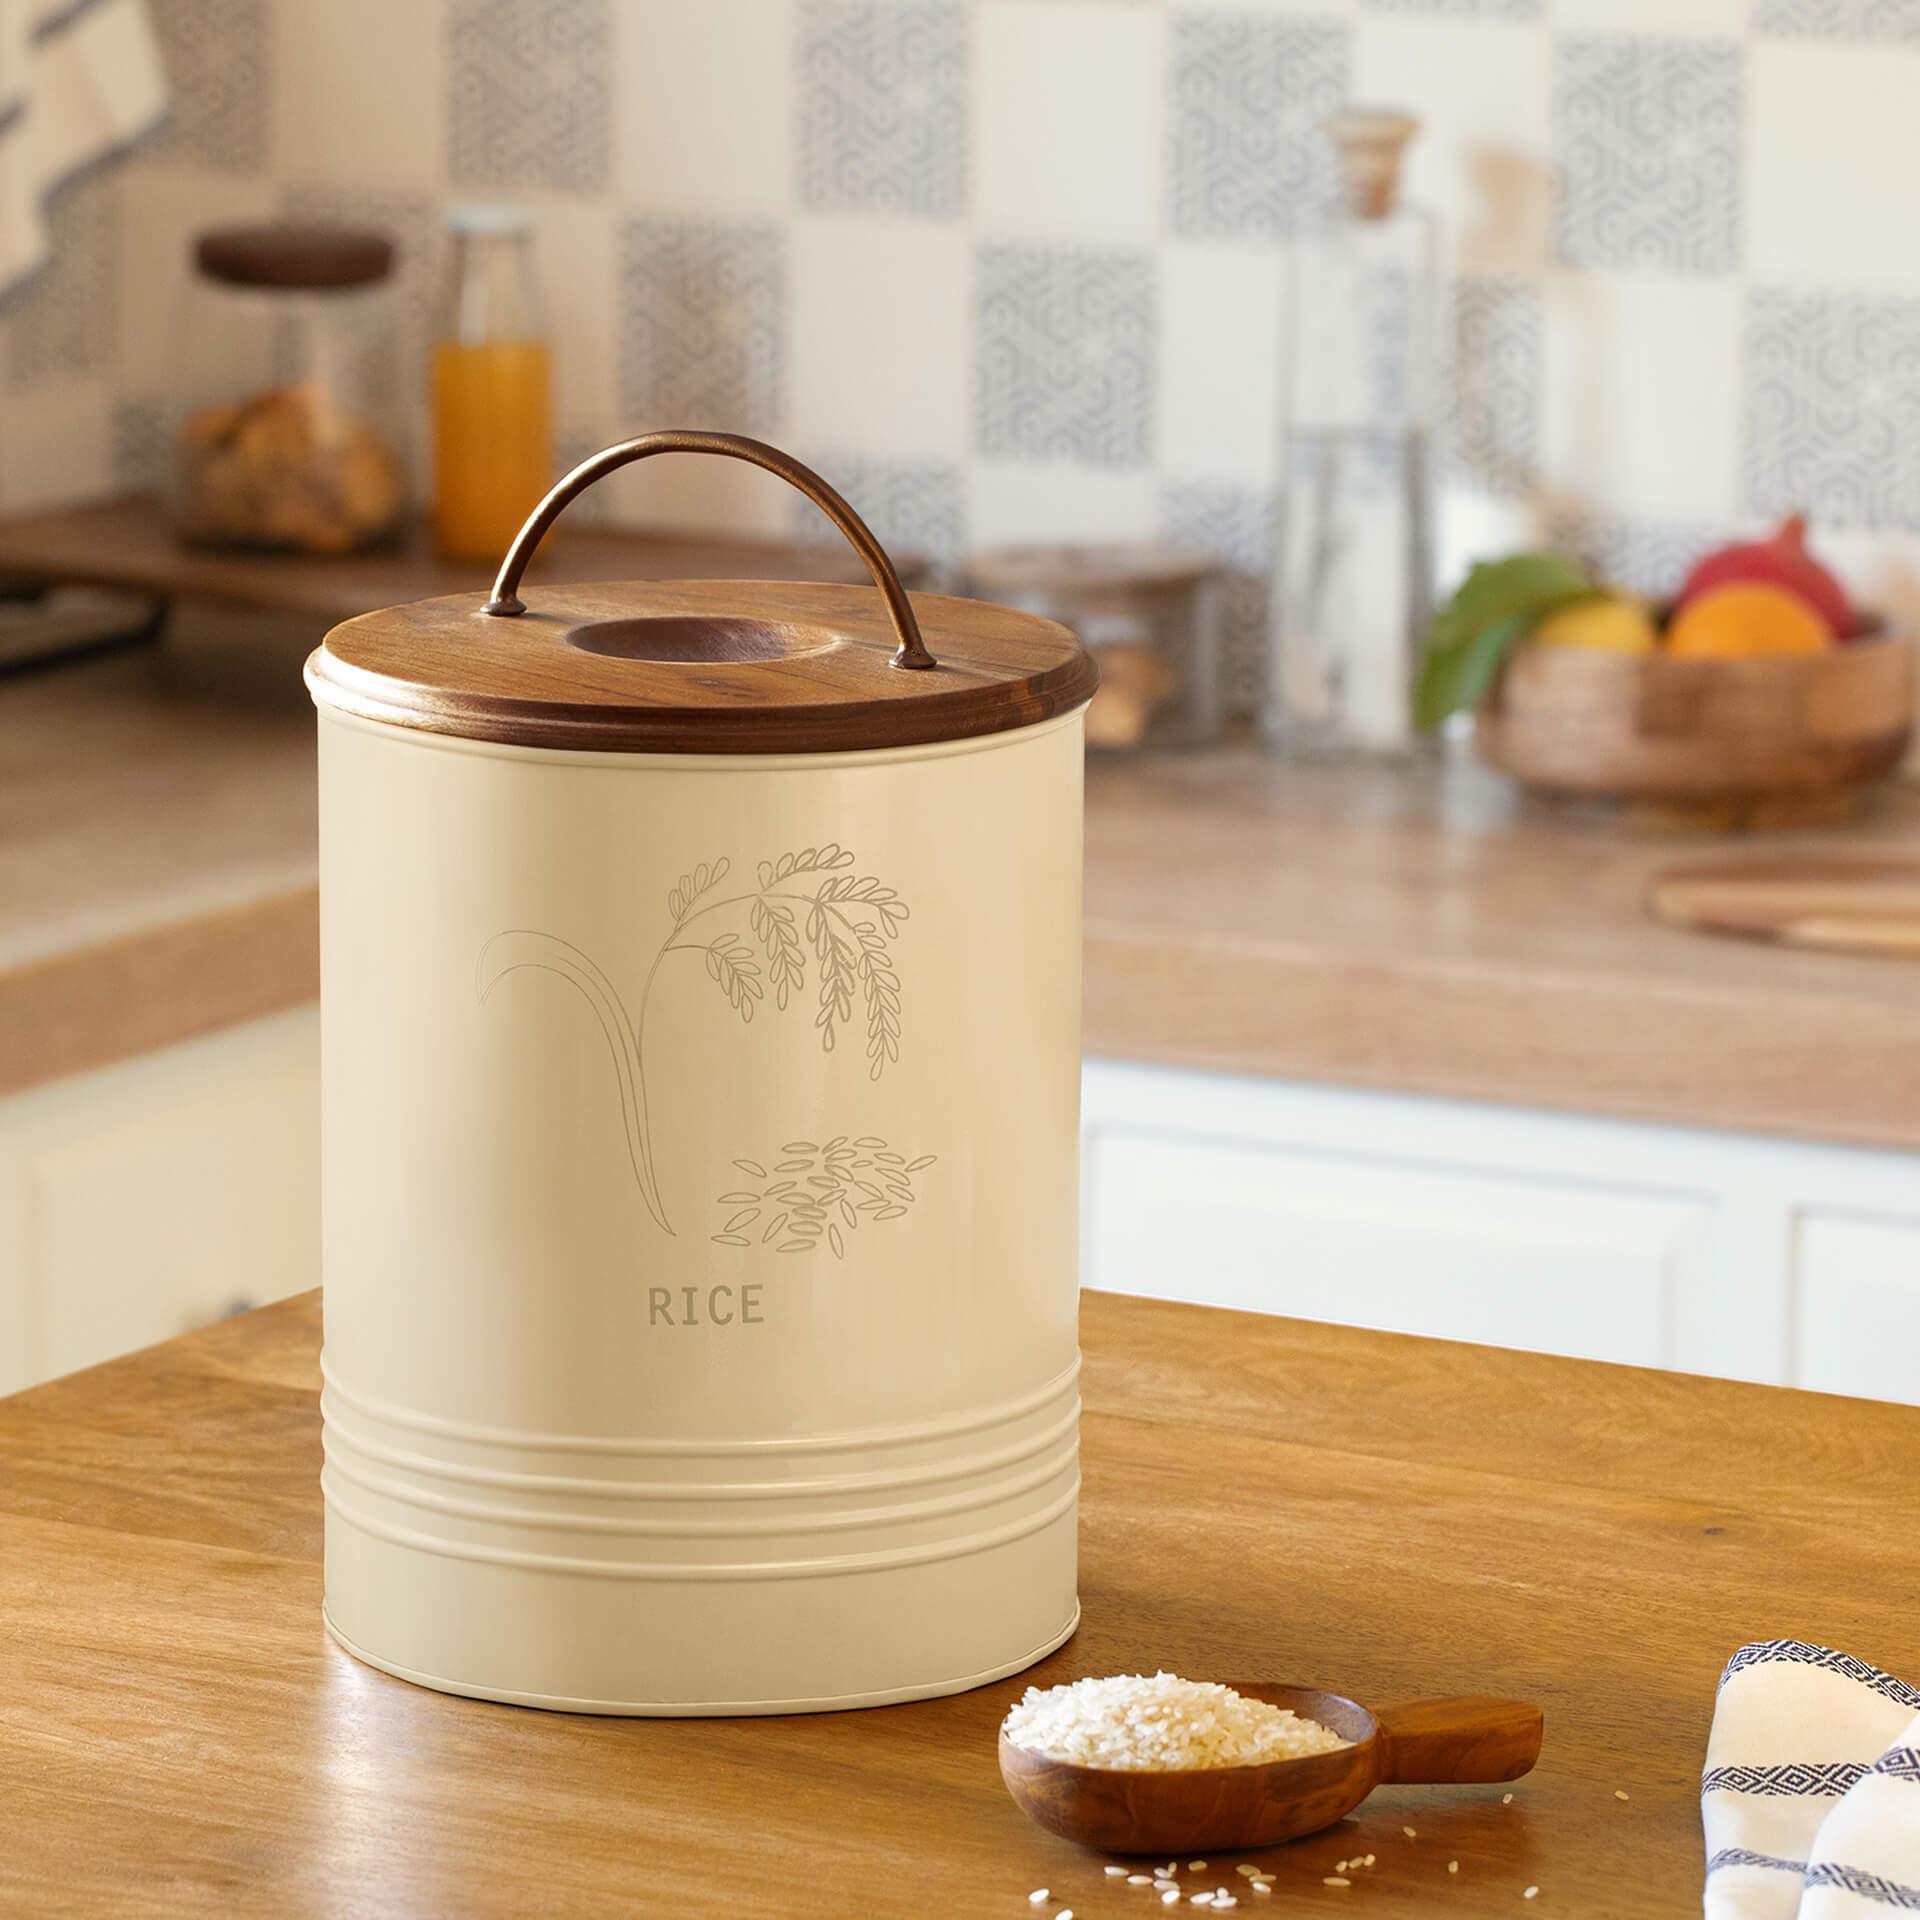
(1262, 1497)
(1418, 930)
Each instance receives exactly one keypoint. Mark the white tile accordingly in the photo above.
(163, 209)
(1830, 151)
(704, 96)
(1473, 526)
(359, 94)
(575, 254)
(1482, 158)
(56, 444)
(1068, 116)
(1642, 385)
(1666, 17)
(1013, 501)
(880, 347)
(1222, 320)
(684, 493)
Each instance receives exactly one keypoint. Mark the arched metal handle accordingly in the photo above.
(506, 601)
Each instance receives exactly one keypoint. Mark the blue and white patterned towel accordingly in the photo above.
(1811, 1797)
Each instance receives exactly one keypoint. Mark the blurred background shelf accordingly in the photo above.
(127, 542)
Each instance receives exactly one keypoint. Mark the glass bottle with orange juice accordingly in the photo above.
(492, 387)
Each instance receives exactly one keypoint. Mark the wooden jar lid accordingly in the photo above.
(700, 666)
(307, 259)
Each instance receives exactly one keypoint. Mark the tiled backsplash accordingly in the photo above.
(1015, 268)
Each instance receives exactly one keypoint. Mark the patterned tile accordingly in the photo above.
(65, 319)
(1237, 524)
(529, 104)
(1247, 96)
(571, 445)
(415, 225)
(1491, 390)
(1894, 22)
(883, 107)
(703, 308)
(1647, 141)
(1832, 402)
(142, 445)
(1649, 557)
(1064, 353)
(1463, 9)
(220, 79)
(917, 505)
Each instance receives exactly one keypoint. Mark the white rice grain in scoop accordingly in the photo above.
(1163, 1724)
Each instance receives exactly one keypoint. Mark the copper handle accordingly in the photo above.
(506, 601)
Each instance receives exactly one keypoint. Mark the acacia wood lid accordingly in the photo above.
(702, 666)
(294, 258)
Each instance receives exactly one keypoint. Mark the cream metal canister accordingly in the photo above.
(700, 1137)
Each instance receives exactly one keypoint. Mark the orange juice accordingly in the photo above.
(492, 443)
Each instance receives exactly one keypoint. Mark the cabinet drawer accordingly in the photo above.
(157, 1194)
(1856, 1305)
(1463, 1253)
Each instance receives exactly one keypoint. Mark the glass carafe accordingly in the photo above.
(1353, 573)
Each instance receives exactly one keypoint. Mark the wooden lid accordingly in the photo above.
(700, 666)
(296, 258)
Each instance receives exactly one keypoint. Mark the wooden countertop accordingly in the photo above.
(1421, 931)
(1389, 1516)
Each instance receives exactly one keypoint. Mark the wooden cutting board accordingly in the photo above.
(1851, 905)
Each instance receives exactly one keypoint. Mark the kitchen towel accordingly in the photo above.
(80, 82)
(1811, 1797)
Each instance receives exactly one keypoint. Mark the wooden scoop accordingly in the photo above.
(1420, 1742)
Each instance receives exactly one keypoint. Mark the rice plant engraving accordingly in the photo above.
(818, 1195)
(807, 908)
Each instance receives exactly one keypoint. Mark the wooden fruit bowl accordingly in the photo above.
(1719, 743)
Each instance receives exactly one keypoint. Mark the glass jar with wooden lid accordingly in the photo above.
(291, 409)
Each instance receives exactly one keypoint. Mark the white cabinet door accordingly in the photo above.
(1507, 1258)
(1856, 1305)
(154, 1195)
(1762, 1259)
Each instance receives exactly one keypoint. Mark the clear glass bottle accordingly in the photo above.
(1353, 580)
(492, 387)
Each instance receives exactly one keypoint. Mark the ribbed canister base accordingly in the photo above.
(637, 1576)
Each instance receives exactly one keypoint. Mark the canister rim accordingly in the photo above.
(700, 667)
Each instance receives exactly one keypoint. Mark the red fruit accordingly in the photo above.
(1782, 561)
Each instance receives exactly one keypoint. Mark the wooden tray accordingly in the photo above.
(1849, 905)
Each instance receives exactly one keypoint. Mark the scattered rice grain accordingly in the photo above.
(1530, 1893)
(1335, 1880)
(1618, 1794)
(1262, 1886)
(1409, 1832)
(1138, 1880)
(1453, 1866)
(1506, 1799)
(1116, 1873)
(1039, 1896)
(1170, 1899)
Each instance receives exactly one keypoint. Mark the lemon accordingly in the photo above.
(1610, 624)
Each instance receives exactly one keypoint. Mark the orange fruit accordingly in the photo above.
(1747, 620)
